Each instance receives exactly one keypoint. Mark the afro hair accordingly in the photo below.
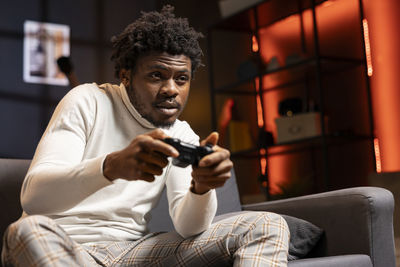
(156, 31)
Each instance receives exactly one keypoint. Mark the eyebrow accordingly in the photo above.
(159, 66)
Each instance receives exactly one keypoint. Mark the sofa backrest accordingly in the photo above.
(12, 174)
(228, 201)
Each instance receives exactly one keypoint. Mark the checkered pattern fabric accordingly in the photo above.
(248, 239)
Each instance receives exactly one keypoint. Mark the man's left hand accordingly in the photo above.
(214, 169)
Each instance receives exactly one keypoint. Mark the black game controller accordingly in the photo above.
(188, 153)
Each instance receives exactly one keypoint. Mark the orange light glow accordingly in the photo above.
(260, 119)
(327, 3)
(260, 122)
(383, 21)
(263, 161)
(281, 39)
(254, 46)
(367, 47)
(377, 156)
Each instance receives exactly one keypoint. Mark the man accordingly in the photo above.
(101, 166)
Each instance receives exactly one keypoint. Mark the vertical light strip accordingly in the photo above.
(263, 161)
(260, 119)
(260, 115)
(254, 44)
(377, 155)
(367, 47)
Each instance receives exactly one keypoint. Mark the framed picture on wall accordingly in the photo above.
(44, 43)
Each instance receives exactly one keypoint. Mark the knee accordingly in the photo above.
(27, 226)
(268, 222)
(276, 225)
(262, 217)
(274, 219)
(32, 222)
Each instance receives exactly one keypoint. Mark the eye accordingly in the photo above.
(182, 79)
(155, 75)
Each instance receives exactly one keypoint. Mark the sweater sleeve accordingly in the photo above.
(191, 213)
(58, 178)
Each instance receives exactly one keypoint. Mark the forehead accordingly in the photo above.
(162, 60)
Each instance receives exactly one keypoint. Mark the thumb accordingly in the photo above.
(211, 139)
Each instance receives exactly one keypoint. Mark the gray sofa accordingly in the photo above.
(357, 222)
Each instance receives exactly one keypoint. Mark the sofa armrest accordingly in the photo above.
(356, 221)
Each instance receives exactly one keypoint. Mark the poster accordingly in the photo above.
(43, 44)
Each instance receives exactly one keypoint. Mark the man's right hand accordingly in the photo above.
(142, 159)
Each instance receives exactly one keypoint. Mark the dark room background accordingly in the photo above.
(26, 108)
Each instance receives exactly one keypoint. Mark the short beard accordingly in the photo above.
(158, 124)
(139, 108)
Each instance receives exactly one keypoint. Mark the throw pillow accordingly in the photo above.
(303, 237)
(303, 234)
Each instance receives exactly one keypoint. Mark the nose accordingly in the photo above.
(169, 88)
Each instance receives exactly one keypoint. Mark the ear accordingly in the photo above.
(124, 76)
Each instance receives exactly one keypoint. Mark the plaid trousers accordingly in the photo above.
(247, 239)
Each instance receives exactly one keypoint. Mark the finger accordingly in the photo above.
(154, 157)
(212, 183)
(166, 149)
(150, 144)
(158, 134)
(145, 167)
(211, 139)
(139, 170)
(215, 158)
(146, 177)
(138, 174)
(222, 167)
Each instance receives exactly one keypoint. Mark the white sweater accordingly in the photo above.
(65, 180)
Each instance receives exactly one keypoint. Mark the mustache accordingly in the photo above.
(168, 102)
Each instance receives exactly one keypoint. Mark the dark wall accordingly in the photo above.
(25, 108)
(201, 14)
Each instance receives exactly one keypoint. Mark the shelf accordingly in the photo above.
(337, 84)
(297, 71)
(268, 12)
(303, 144)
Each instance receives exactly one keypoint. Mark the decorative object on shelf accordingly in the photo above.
(247, 70)
(250, 69)
(290, 106)
(239, 136)
(298, 126)
(273, 64)
(309, 67)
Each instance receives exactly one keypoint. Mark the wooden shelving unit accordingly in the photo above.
(309, 73)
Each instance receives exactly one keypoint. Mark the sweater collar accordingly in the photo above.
(125, 98)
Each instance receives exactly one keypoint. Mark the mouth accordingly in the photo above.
(168, 108)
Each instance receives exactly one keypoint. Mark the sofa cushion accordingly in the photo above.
(354, 260)
(303, 235)
(12, 175)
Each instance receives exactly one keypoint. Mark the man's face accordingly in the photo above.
(159, 87)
